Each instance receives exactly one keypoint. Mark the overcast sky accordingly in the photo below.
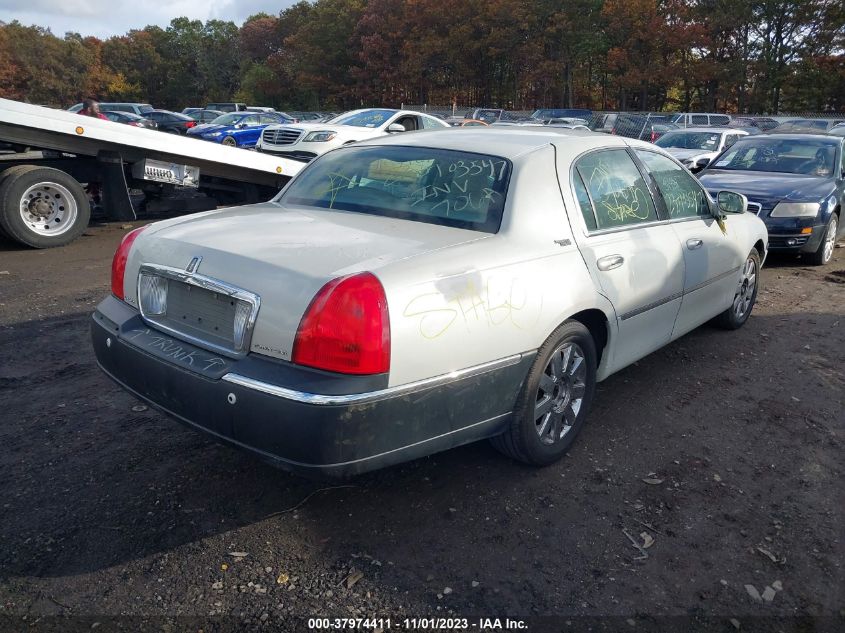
(104, 18)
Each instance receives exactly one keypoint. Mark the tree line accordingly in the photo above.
(758, 56)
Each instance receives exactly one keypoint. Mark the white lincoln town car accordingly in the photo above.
(412, 293)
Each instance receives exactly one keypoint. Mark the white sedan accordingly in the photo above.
(695, 147)
(306, 141)
(410, 294)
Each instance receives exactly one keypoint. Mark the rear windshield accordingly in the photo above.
(445, 187)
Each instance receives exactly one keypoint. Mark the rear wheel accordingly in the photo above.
(230, 141)
(746, 295)
(42, 207)
(825, 251)
(555, 398)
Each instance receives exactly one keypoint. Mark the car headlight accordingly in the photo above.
(319, 137)
(796, 210)
(215, 134)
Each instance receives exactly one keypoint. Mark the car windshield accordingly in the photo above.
(445, 187)
(802, 156)
(708, 141)
(367, 118)
(228, 119)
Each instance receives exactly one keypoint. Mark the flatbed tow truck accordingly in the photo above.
(43, 197)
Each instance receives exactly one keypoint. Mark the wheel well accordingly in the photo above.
(596, 322)
(761, 248)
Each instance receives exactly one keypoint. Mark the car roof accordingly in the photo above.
(713, 129)
(507, 142)
(793, 136)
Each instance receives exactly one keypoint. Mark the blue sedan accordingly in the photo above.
(794, 182)
(238, 129)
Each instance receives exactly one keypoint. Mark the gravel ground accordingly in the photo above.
(706, 492)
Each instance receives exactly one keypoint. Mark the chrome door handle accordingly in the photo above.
(694, 244)
(610, 262)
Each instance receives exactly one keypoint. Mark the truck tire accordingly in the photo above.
(9, 171)
(42, 207)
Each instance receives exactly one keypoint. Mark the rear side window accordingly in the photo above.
(617, 189)
(429, 123)
(719, 119)
(699, 119)
(450, 188)
(683, 196)
(584, 202)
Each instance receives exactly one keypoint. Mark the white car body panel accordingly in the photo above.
(459, 298)
(689, 157)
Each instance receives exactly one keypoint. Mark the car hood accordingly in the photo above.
(334, 127)
(686, 154)
(768, 185)
(286, 254)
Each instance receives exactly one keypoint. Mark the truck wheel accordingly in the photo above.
(42, 207)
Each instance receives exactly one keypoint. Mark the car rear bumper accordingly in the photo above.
(303, 420)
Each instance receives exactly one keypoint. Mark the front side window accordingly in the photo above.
(450, 188)
(683, 196)
(617, 188)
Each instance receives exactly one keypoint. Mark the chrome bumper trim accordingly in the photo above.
(371, 396)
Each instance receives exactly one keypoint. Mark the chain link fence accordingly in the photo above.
(649, 125)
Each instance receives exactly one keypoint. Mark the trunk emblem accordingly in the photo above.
(194, 265)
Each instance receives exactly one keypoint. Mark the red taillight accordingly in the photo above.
(135, 124)
(190, 124)
(654, 136)
(118, 264)
(346, 328)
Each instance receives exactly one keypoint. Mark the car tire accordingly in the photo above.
(824, 253)
(555, 398)
(746, 294)
(55, 198)
(229, 141)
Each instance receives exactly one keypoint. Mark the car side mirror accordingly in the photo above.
(395, 127)
(731, 202)
(240, 126)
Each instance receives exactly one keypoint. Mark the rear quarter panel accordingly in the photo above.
(494, 298)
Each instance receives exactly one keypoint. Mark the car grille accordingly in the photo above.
(281, 136)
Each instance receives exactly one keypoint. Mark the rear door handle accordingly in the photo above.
(610, 262)
(694, 243)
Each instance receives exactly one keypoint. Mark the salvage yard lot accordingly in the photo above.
(726, 448)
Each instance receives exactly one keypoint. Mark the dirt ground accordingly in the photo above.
(724, 448)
